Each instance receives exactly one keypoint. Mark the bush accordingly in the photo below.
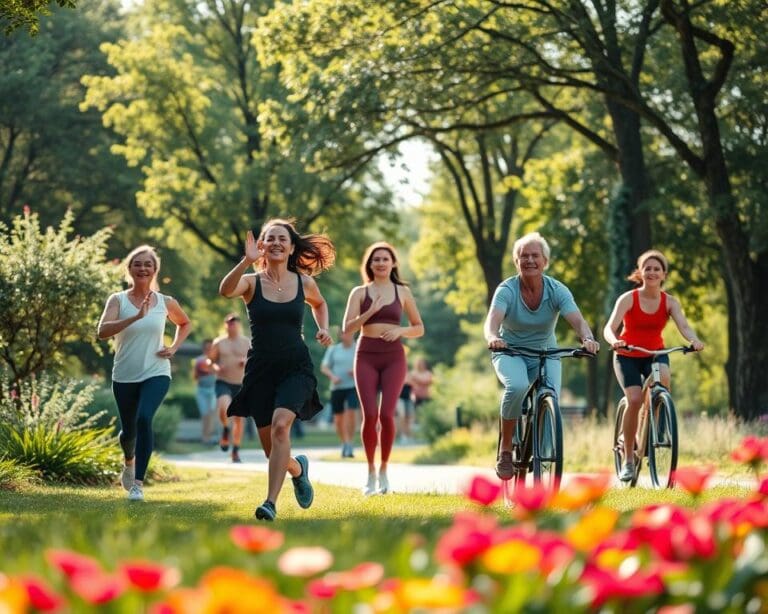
(14, 475)
(184, 397)
(104, 408)
(51, 291)
(475, 393)
(165, 425)
(86, 456)
(448, 449)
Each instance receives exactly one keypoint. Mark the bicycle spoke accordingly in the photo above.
(662, 448)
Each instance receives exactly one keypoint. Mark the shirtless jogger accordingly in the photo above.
(228, 354)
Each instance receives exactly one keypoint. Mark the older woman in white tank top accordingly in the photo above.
(141, 372)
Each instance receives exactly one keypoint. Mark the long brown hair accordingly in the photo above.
(312, 253)
(366, 271)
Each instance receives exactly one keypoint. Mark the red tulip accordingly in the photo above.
(751, 451)
(72, 563)
(321, 589)
(470, 536)
(483, 490)
(148, 577)
(530, 500)
(694, 479)
(256, 539)
(608, 584)
(41, 596)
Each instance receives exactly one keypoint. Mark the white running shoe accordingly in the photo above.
(383, 484)
(370, 487)
(128, 477)
(136, 493)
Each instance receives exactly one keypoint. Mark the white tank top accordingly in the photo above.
(136, 346)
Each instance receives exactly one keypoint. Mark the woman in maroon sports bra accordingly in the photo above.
(376, 309)
(642, 315)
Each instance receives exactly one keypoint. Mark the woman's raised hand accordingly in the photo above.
(144, 307)
(251, 248)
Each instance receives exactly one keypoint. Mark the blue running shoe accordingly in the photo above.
(303, 490)
(266, 511)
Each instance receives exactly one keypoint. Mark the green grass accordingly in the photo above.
(187, 521)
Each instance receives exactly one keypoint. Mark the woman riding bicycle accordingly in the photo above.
(523, 312)
(642, 313)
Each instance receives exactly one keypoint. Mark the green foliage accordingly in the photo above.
(165, 424)
(470, 387)
(51, 291)
(15, 14)
(83, 456)
(188, 99)
(15, 476)
(182, 395)
(448, 449)
(55, 156)
(50, 403)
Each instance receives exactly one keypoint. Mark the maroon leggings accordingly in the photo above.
(379, 366)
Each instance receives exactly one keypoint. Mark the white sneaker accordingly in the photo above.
(383, 484)
(128, 477)
(136, 493)
(370, 488)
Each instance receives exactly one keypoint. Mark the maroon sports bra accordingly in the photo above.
(388, 314)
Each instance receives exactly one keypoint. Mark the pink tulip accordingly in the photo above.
(256, 539)
(72, 563)
(531, 500)
(97, 587)
(304, 561)
(483, 490)
(470, 536)
(694, 479)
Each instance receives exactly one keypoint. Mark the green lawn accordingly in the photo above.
(187, 521)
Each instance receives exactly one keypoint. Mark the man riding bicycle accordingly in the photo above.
(523, 312)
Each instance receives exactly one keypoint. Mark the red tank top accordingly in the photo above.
(388, 314)
(644, 329)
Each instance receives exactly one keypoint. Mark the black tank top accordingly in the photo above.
(276, 326)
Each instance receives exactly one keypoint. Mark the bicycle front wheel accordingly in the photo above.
(662, 441)
(618, 436)
(548, 444)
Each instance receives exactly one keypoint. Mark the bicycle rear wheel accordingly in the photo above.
(662, 441)
(548, 444)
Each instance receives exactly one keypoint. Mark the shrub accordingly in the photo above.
(86, 456)
(51, 291)
(14, 475)
(475, 393)
(165, 425)
(184, 397)
(49, 403)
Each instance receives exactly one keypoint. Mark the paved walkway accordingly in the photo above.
(404, 478)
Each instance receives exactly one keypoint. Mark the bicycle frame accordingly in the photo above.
(530, 427)
(652, 389)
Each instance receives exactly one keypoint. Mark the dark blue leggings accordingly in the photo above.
(137, 403)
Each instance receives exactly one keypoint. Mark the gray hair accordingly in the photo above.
(531, 237)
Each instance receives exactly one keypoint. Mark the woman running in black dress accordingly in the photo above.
(279, 383)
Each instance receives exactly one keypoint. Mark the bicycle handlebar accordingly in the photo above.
(685, 349)
(547, 352)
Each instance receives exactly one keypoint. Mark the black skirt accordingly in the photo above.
(273, 379)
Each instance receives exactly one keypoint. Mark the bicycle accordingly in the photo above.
(539, 432)
(657, 436)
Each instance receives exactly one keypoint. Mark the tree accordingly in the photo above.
(52, 155)
(16, 14)
(52, 289)
(411, 59)
(187, 98)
